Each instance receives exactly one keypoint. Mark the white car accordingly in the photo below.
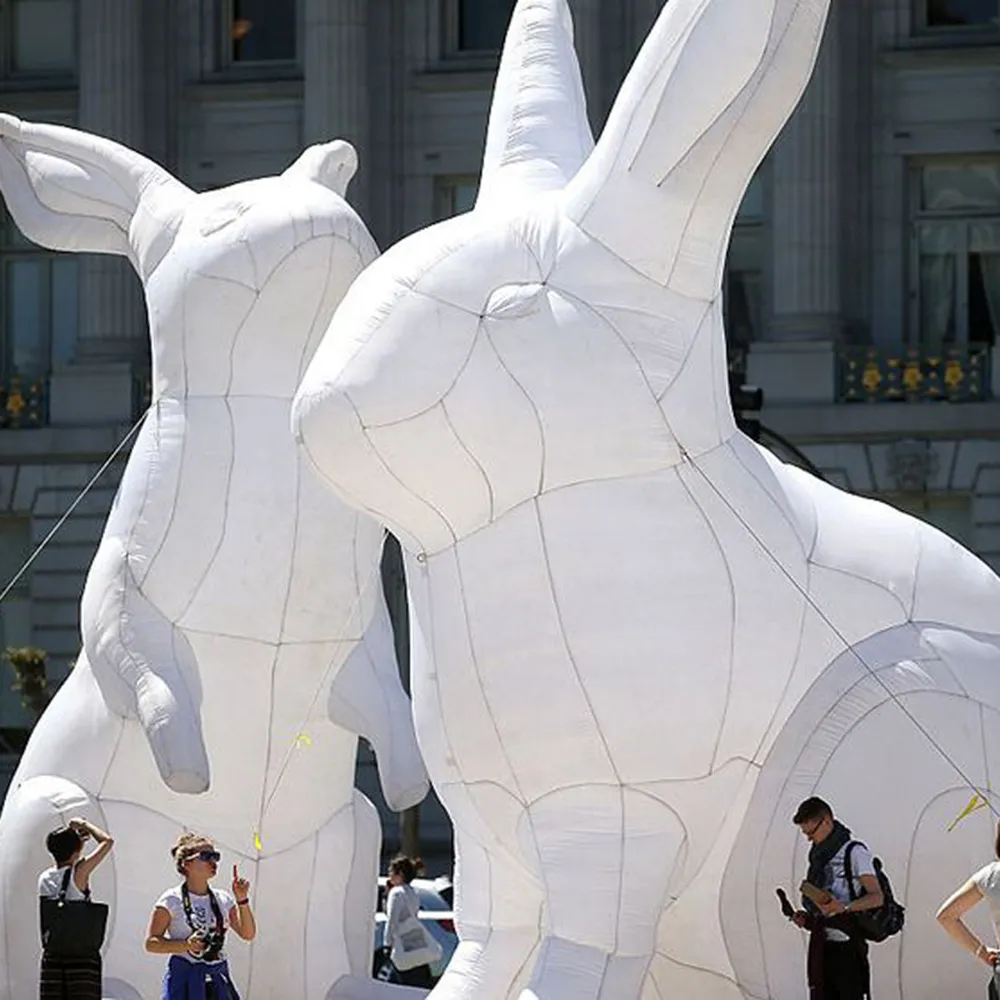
(435, 914)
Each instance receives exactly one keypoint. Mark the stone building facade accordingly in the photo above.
(863, 288)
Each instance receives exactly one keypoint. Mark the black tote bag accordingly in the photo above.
(72, 928)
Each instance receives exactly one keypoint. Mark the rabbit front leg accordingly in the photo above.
(145, 668)
(367, 698)
(605, 886)
(498, 912)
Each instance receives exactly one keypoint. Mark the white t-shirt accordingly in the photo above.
(202, 915)
(402, 903)
(835, 879)
(987, 881)
(50, 884)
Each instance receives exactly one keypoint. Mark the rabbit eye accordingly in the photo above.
(514, 301)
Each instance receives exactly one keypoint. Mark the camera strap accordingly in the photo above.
(220, 924)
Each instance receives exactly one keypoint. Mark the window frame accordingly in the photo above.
(757, 227)
(446, 187)
(957, 33)
(12, 78)
(451, 48)
(11, 252)
(219, 61)
(918, 216)
(14, 717)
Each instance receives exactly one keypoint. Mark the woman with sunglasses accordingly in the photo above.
(189, 924)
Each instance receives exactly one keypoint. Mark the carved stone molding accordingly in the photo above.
(912, 465)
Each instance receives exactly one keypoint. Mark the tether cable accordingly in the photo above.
(72, 507)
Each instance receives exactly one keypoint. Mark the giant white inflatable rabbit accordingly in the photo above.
(617, 599)
(235, 640)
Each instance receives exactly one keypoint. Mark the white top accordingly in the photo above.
(987, 881)
(201, 913)
(836, 879)
(50, 884)
(401, 903)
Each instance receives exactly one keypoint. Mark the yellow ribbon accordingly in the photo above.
(976, 803)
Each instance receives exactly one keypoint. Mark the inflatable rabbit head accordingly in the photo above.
(569, 328)
(240, 283)
(224, 271)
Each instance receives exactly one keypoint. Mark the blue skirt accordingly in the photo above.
(189, 980)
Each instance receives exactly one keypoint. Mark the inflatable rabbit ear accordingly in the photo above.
(539, 135)
(708, 94)
(333, 165)
(70, 190)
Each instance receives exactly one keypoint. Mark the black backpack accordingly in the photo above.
(888, 919)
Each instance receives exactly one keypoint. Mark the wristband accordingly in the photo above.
(979, 950)
(242, 902)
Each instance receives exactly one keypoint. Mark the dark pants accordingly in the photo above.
(845, 971)
(994, 993)
(420, 976)
(70, 978)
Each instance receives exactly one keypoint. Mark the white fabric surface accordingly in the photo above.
(235, 638)
(636, 635)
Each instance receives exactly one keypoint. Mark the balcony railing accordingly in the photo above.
(874, 375)
(23, 403)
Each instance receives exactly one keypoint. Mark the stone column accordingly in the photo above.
(644, 15)
(806, 217)
(336, 81)
(112, 316)
(113, 343)
(593, 46)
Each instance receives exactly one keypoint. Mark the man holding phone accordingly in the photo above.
(841, 881)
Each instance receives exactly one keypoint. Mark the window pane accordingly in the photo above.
(263, 30)
(455, 196)
(960, 13)
(65, 310)
(15, 612)
(44, 36)
(463, 197)
(25, 281)
(482, 24)
(743, 315)
(951, 187)
(937, 300)
(752, 207)
(984, 298)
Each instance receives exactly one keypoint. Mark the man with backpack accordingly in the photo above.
(843, 882)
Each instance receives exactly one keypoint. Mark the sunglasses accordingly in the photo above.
(213, 856)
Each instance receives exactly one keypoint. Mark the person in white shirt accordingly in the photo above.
(189, 923)
(403, 932)
(77, 978)
(985, 884)
(838, 955)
